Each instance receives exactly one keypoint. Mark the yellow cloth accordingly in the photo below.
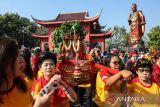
(16, 98)
(37, 89)
(148, 96)
(104, 95)
(84, 85)
(40, 73)
(29, 82)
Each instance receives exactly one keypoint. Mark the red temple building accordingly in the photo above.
(90, 24)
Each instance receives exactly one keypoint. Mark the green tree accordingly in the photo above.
(41, 30)
(119, 37)
(13, 25)
(154, 37)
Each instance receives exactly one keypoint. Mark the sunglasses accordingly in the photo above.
(116, 62)
(143, 69)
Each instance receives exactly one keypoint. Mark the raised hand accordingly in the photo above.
(126, 74)
(43, 101)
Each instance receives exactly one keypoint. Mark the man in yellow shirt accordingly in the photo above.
(143, 92)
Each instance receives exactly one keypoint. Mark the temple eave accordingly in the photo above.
(107, 35)
(60, 22)
(49, 23)
(91, 19)
(40, 36)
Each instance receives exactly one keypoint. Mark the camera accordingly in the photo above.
(48, 88)
(52, 85)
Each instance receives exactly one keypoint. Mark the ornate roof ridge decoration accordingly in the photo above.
(62, 17)
(103, 26)
(86, 12)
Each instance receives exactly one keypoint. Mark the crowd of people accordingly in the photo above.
(31, 79)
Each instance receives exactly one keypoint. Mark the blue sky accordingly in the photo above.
(115, 12)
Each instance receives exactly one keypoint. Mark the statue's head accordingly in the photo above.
(134, 7)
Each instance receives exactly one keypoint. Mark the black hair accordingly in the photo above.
(108, 60)
(26, 54)
(121, 51)
(8, 56)
(134, 4)
(98, 46)
(143, 62)
(37, 51)
(47, 55)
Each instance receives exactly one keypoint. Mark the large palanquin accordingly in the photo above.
(72, 50)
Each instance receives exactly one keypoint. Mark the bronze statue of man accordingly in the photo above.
(137, 25)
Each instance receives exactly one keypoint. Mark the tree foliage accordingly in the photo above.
(154, 37)
(13, 25)
(119, 37)
(41, 30)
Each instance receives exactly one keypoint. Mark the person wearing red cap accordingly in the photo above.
(133, 56)
(133, 53)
